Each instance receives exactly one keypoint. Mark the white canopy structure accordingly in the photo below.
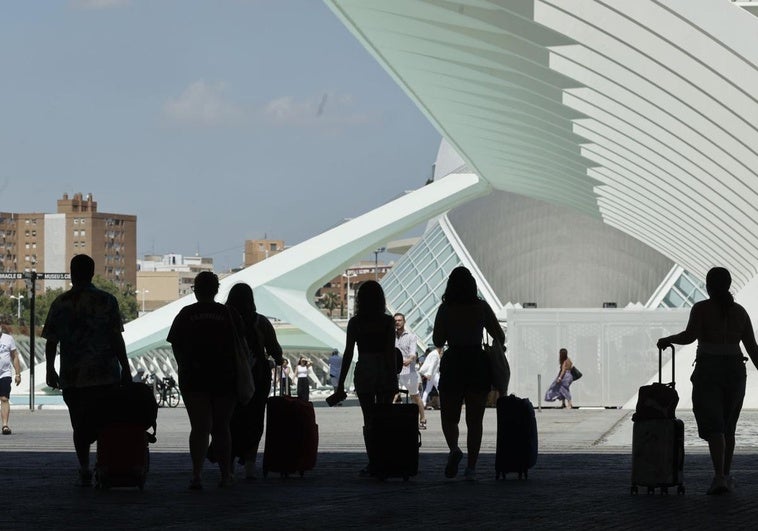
(641, 113)
(644, 112)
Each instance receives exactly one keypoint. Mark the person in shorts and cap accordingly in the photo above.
(8, 358)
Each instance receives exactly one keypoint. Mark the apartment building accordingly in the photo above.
(165, 278)
(47, 242)
(258, 250)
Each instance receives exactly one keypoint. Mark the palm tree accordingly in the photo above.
(330, 300)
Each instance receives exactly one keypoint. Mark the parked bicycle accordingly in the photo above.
(166, 391)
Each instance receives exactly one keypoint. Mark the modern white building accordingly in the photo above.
(640, 115)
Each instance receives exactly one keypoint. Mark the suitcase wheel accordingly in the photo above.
(664, 490)
(405, 478)
(651, 490)
(680, 489)
(302, 473)
(634, 489)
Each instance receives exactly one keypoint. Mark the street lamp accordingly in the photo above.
(376, 262)
(18, 298)
(348, 276)
(144, 292)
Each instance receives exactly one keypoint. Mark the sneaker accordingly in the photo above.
(469, 474)
(453, 460)
(84, 478)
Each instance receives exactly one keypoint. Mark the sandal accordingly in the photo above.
(6, 430)
(422, 424)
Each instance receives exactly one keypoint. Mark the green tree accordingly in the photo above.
(127, 299)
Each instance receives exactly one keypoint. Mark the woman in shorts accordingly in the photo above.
(718, 382)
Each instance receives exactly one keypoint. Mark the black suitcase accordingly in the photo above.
(516, 436)
(123, 455)
(658, 437)
(394, 439)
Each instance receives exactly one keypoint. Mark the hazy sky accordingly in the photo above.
(213, 121)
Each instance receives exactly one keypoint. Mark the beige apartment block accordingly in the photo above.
(165, 278)
(46, 242)
(258, 250)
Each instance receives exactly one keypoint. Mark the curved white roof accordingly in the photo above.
(644, 113)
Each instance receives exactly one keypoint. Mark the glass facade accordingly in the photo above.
(686, 291)
(416, 283)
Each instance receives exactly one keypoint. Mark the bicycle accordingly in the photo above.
(166, 392)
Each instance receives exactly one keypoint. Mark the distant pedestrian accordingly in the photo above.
(406, 341)
(248, 419)
(464, 369)
(202, 338)
(8, 359)
(718, 324)
(431, 371)
(284, 377)
(86, 322)
(302, 370)
(335, 366)
(560, 388)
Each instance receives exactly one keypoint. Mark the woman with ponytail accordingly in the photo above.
(718, 382)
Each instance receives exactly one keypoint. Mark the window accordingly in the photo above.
(76, 221)
(82, 233)
(273, 247)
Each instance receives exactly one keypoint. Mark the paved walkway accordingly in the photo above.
(581, 480)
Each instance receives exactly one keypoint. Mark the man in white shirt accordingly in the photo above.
(408, 377)
(8, 358)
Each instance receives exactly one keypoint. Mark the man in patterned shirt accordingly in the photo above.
(86, 322)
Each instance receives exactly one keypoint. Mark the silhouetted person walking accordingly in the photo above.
(247, 421)
(464, 369)
(373, 331)
(718, 381)
(202, 338)
(86, 322)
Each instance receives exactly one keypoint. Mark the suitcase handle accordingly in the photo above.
(660, 366)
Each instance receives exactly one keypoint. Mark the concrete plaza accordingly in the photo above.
(581, 480)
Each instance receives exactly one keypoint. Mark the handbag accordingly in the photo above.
(500, 370)
(575, 373)
(245, 385)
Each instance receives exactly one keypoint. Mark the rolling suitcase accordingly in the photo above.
(394, 439)
(291, 435)
(516, 449)
(658, 437)
(123, 455)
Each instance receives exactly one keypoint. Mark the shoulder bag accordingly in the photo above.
(500, 370)
(242, 362)
(575, 373)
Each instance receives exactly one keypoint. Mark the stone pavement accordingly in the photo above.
(581, 480)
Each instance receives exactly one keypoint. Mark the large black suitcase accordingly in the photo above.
(658, 437)
(394, 439)
(516, 436)
(123, 456)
